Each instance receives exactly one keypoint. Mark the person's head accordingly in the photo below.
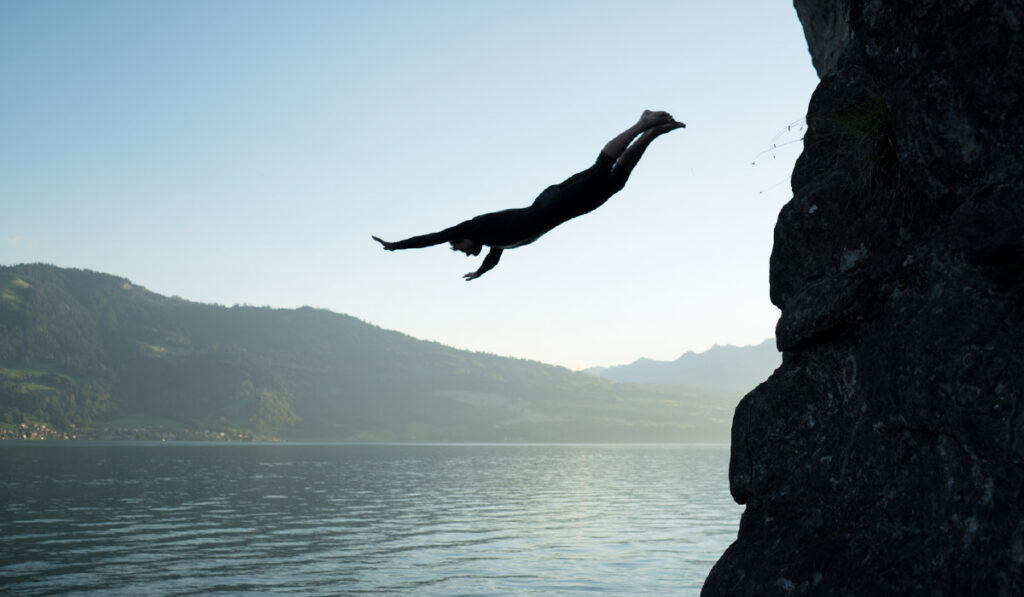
(467, 246)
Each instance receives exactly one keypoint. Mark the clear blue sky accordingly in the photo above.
(244, 152)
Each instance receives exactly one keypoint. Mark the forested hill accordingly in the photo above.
(91, 352)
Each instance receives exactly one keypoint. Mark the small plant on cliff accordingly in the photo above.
(793, 133)
(865, 129)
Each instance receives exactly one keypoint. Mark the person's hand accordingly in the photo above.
(471, 276)
(387, 246)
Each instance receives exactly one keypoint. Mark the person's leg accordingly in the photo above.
(629, 157)
(585, 191)
(648, 119)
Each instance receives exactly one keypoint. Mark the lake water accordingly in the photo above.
(343, 519)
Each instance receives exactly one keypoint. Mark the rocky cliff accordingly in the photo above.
(886, 455)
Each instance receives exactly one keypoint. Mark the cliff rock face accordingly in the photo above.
(886, 455)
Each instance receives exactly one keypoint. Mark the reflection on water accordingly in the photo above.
(159, 519)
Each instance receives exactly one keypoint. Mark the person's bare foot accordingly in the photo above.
(661, 129)
(651, 118)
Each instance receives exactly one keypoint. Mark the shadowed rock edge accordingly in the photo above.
(885, 455)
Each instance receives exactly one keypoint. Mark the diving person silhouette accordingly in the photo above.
(579, 194)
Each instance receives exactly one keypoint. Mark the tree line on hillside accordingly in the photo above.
(78, 348)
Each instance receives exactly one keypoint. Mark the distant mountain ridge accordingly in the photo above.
(729, 369)
(94, 354)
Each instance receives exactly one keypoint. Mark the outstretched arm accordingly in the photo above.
(426, 240)
(489, 262)
(416, 242)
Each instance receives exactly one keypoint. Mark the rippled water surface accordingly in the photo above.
(184, 519)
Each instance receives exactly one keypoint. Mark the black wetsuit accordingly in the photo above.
(579, 194)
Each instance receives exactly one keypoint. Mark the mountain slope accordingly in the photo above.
(729, 369)
(81, 349)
